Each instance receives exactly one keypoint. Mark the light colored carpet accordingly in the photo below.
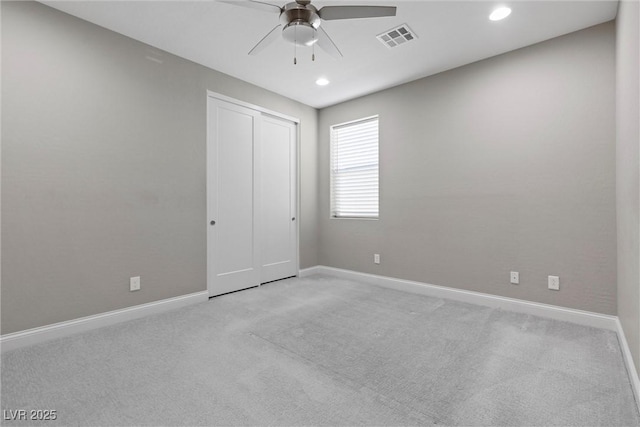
(324, 351)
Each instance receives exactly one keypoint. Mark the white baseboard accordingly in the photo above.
(310, 271)
(58, 330)
(581, 317)
(628, 361)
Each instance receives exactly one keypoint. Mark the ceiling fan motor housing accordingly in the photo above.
(300, 23)
(292, 12)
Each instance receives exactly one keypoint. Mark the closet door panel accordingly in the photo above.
(235, 191)
(232, 197)
(252, 235)
(278, 198)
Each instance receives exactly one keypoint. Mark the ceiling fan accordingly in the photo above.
(300, 22)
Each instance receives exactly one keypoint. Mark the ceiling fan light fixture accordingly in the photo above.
(500, 13)
(299, 32)
(322, 81)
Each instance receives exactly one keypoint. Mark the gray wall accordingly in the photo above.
(628, 171)
(103, 174)
(504, 164)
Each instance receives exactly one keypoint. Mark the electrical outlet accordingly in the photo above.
(376, 258)
(554, 283)
(515, 277)
(134, 283)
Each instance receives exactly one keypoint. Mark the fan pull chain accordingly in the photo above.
(295, 45)
(313, 48)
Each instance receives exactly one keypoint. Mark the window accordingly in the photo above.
(354, 169)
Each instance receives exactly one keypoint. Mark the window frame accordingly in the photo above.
(332, 128)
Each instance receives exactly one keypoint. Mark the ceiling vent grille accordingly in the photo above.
(397, 36)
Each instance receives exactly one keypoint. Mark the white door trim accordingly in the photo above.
(211, 94)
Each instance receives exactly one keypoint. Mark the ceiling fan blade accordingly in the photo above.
(258, 5)
(266, 40)
(355, 12)
(326, 44)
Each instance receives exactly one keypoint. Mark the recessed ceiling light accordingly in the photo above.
(500, 13)
(322, 81)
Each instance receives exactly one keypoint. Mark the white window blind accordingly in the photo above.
(354, 169)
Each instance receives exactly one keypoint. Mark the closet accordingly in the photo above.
(252, 232)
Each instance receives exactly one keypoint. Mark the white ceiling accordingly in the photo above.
(450, 34)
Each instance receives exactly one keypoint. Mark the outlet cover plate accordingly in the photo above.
(554, 283)
(134, 284)
(515, 277)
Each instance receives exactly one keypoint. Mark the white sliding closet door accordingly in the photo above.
(232, 253)
(279, 203)
(252, 235)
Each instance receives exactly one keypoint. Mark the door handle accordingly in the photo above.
(212, 223)
(293, 219)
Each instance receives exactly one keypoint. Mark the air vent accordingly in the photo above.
(397, 36)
